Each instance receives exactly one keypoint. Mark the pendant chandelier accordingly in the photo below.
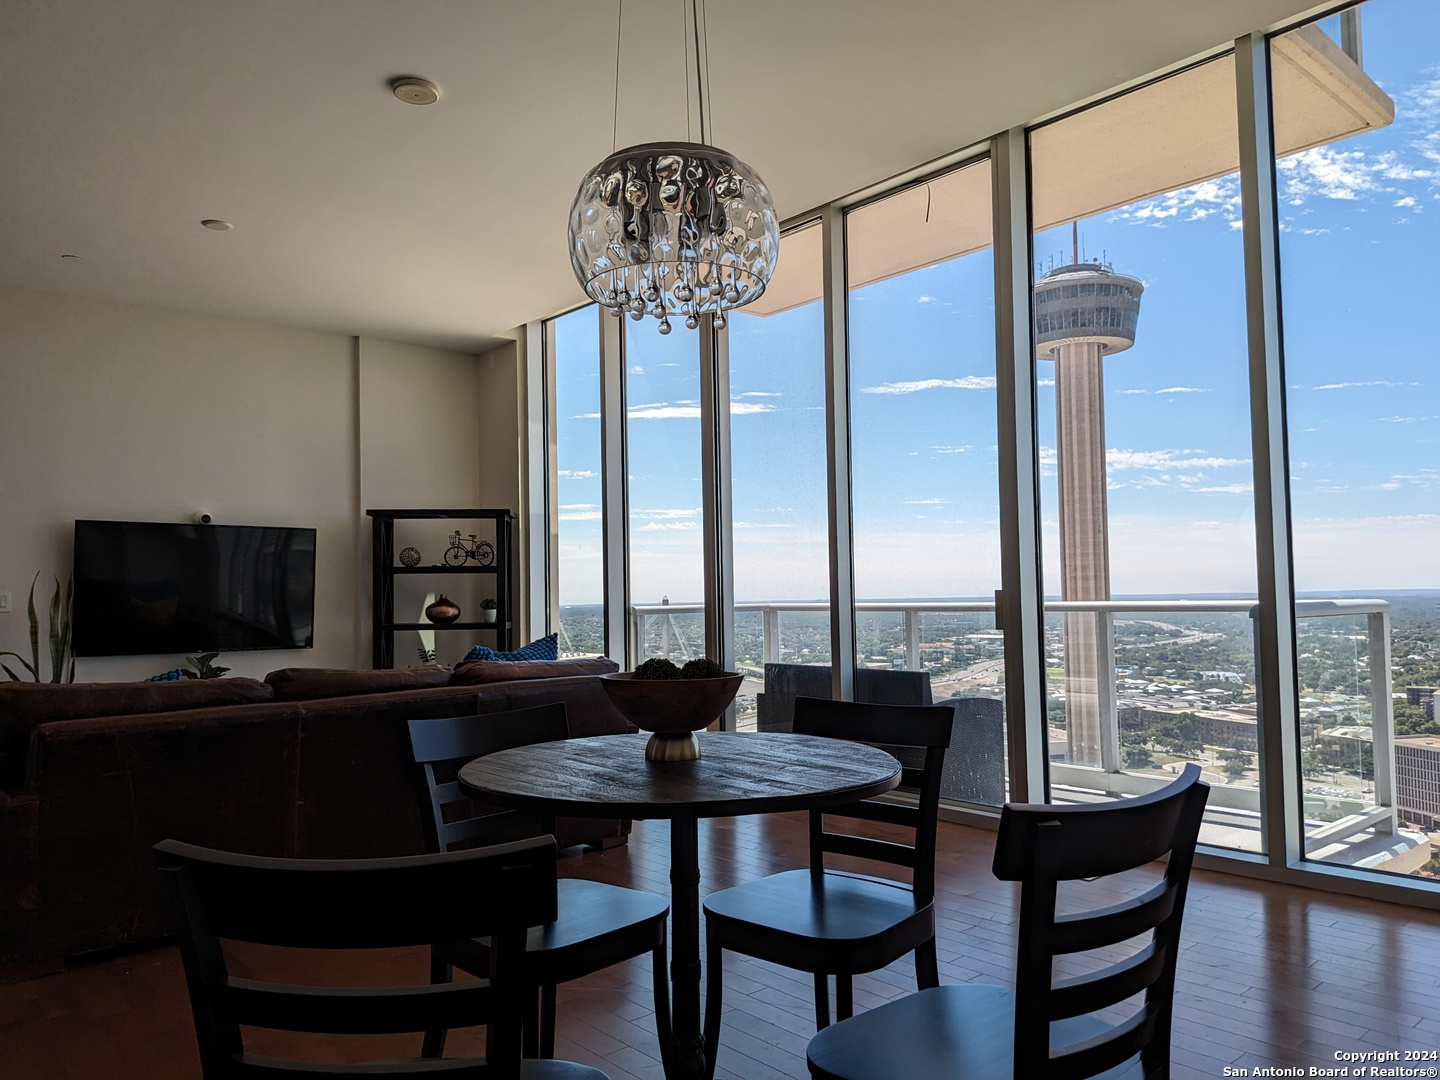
(677, 229)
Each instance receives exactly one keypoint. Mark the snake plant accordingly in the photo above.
(62, 660)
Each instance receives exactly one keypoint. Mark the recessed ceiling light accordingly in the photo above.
(414, 91)
(217, 224)
(75, 257)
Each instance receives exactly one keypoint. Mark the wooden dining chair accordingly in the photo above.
(360, 904)
(842, 924)
(1046, 1029)
(595, 925)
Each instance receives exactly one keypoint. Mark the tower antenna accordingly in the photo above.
(1075, 241)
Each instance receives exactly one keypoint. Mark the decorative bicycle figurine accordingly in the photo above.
(460, 551)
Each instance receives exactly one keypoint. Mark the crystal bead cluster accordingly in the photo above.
(673, 229)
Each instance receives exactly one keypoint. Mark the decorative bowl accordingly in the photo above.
(672, 709)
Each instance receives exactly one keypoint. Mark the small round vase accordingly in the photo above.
(442, 611)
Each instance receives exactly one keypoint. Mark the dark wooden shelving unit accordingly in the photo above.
(386, 568)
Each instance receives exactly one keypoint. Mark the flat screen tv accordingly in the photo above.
(151, 587)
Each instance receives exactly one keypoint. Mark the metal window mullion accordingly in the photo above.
(837, 455)
(614, 490)
(1019, 606)
(537, 519)
(549, 377)
(716, 514)
(1281, 827)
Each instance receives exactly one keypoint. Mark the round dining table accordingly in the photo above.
(737, 773)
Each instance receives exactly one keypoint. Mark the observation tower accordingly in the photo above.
(1085, 312)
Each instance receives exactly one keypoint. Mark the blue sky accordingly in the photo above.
(1359, 250)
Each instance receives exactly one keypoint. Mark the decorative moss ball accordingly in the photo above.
(702, 668)
(657, 667)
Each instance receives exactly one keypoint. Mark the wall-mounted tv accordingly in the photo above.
(151, 587)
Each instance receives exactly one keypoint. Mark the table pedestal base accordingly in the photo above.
(685, 1056)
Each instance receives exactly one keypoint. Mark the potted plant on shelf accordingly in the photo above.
(488, 610)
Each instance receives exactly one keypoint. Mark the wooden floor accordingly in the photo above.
(1269, 976)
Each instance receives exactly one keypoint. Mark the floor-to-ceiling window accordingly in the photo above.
(778, 489)
(662, 433)
(1146, 475)
(1152, 326)
(925, 492)
(577, 586)
(1359, 237)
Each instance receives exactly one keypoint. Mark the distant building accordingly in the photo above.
(1417, 779)
(1223, 676)
(1235, 728)
(1424, 696)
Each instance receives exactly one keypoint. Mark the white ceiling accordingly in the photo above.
(123, 123)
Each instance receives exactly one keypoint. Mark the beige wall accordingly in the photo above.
(118, 411)
(502, 458)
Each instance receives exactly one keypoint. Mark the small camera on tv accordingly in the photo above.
(202, 518)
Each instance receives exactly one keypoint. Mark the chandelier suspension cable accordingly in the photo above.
(709, 110)
(700, 74)
(685, 52)
(615, 120)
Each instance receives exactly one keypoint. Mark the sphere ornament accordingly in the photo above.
(410, 556)
(673, 229)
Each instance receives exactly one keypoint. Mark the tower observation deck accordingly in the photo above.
(1083, 313)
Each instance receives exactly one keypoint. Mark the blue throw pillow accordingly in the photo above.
(173, 675)
(545, 648)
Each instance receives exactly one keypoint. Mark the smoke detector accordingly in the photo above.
(414, 91)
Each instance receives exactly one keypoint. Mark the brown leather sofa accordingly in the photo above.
(307, 764)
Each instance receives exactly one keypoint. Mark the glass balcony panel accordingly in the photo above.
(1358, 236)
(578, 573)
(925, 490)
(1142, 407)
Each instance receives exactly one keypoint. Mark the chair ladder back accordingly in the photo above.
(1037, 846)
(923, 727)
(355, 904)
(452, 740)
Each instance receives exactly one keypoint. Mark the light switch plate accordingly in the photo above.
(4, 603)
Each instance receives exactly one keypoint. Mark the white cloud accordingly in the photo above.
(926, 502)
(1220, 196)
(580, 512)
(576, 474)
(1044, 382)
(1171, 390)
(951, 449)
(668, 513)
(1228, 489)
(763, 525)
(1366, 382)
(925, 298)
(690, 410)
(1119, 460)
(1407, 201)
(657, 526)
(637, 370)
(761, 393)
(965, 382)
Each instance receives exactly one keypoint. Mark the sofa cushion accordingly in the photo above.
(306, 684)
(544, 648)
(23, 706)
(478, 672)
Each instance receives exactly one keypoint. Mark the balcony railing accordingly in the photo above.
(1333, 814)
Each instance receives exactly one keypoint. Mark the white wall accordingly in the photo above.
(118, 411)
